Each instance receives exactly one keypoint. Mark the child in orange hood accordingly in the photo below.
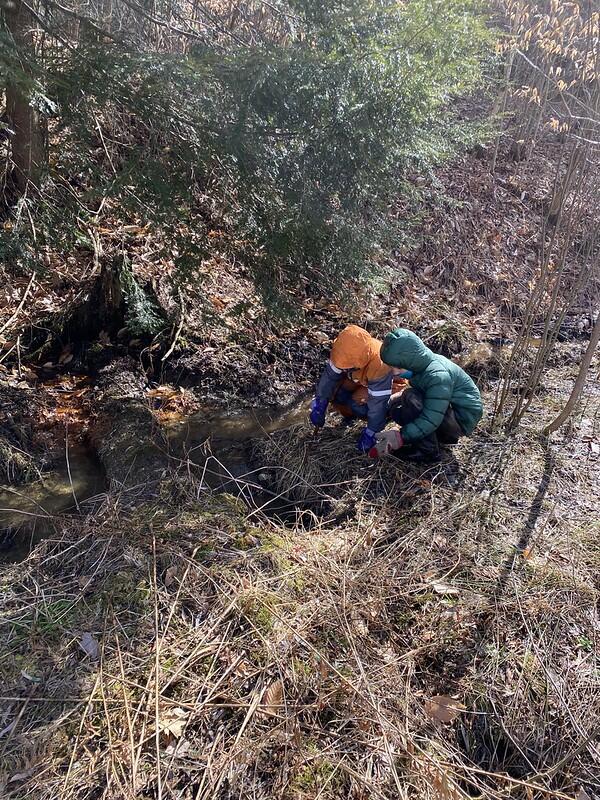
(358, 382)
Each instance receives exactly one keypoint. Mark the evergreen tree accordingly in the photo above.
(291, 126)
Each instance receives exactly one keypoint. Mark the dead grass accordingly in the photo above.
(229, 655)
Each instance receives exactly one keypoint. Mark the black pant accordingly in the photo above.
(409, 405)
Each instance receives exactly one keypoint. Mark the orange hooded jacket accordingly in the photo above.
(356, 351)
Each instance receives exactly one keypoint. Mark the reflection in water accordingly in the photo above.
(27, 512)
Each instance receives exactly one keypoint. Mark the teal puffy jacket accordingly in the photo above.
(441, 381)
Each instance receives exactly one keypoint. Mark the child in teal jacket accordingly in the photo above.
(442, 404)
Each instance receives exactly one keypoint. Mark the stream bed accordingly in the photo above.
(217, 447)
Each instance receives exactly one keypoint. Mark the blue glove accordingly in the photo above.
(404, 373)
(366, 441)
(318, 407)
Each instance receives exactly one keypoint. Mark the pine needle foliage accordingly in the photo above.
(294, 139)
(142, 315)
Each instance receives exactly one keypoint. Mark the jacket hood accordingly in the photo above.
(354, 348)
(403, 349)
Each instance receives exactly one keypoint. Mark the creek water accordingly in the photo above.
(28, 513)
(217, 445)
(238, 426)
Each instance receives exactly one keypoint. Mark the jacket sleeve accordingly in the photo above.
(437, 393)
(380, 392)
(330, 378)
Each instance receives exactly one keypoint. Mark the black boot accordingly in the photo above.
(427, 450)
(405, 452)
(419, 456)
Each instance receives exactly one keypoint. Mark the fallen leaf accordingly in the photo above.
(445, 788)
(178, 749)
(173, 721)
(171, 575)
(444, 588)
(359, 626)
(320, 337)
(21, 776)
(89, 645)
(582, 795)
(29, 677)
(66, 355)
(443, 708)
(243, 668)
(272, 697)
(595, 447)
(164, 392)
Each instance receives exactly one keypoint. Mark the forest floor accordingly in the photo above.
(406, 632)
(419, 632)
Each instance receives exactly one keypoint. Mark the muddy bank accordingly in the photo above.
(23, 447)
(123, 432)
(132, 436)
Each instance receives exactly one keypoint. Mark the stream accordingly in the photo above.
(216, 444)
(28, 513)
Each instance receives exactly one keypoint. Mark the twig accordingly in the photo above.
(19, 307)
(69, 468)
(179, 327)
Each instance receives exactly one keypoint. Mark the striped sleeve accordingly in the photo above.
(330, 378)
(379, 394)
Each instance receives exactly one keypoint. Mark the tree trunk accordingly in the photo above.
(26, 143)
(579, 383)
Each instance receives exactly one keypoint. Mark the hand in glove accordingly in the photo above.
(318, 407)
(366, 441)
(385, 442)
